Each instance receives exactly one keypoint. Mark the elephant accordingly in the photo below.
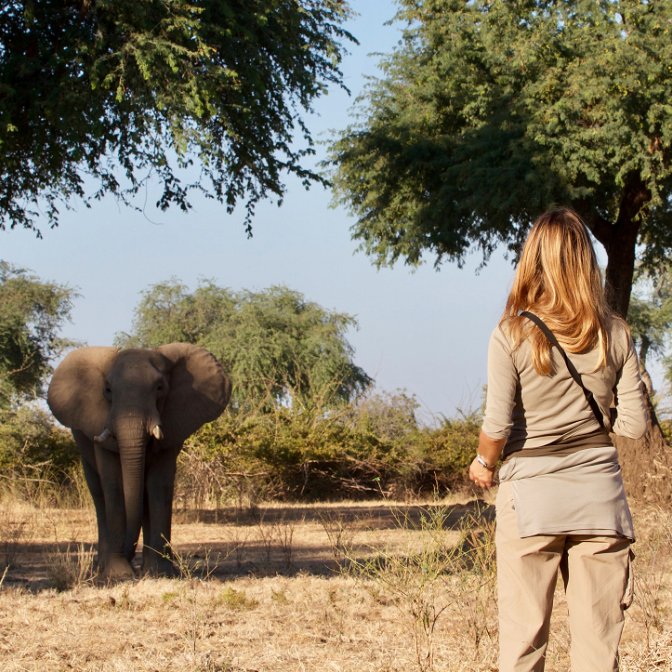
(130, 412)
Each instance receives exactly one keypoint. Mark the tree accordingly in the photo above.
(31, 314)
(490, 111)
(390, 416)
(650, 318)
(121, 91)
(278, 347)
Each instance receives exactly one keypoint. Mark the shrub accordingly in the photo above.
(367, 449)
(29, 438)
(361, 450)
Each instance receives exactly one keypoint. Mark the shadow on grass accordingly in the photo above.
(265, 541)
(381, 515)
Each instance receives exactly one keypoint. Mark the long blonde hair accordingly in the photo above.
(559, 280)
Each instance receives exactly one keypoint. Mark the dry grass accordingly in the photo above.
(374, 587)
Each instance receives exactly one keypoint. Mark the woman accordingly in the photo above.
(560, 503)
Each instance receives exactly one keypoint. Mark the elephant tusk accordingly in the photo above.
(103, 436)
(157, 433)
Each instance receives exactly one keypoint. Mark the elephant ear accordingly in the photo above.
(199, 391)
(76, 392)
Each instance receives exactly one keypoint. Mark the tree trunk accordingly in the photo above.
(620, 243)
(646, 462)
(619, 239)
(620, 270)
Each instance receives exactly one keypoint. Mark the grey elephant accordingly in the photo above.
(130, 411)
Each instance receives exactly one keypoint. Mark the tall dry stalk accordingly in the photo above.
(277, 535)
(72, 568)
(651, 571)
(431, 579)
(339, 534)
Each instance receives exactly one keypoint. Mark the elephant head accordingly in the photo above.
(137, 401)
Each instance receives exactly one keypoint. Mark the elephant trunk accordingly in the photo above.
(131, 436)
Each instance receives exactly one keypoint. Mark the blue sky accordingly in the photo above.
(424, 331)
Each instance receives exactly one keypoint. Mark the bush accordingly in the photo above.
(289, 454)
(29, 438)
(39, 461)
(369, 449)
(373, 448)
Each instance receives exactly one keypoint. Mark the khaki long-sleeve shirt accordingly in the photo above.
(579, 493)
(530, 410)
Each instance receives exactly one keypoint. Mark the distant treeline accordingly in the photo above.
(304, 421)
(366, 449)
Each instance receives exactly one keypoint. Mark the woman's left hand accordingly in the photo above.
(482, 477)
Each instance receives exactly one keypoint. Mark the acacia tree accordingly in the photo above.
(278, 347)
(117, 91)
(490, 111)
(31, 314)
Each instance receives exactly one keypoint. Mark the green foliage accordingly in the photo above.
(277, 346)
(666, 428)
(650, 316)
(452, 445)
(389, 416)
(293, 453)
(290, 453)
(317, 454)
(489, 112)
(123, 90)
(31, 313)
(29, 440)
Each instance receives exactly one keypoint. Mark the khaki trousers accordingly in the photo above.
(598, 587)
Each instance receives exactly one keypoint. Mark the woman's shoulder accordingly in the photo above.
(619, 331)
(511, 328)
(502, 329)
(502, 335)
(620, 340)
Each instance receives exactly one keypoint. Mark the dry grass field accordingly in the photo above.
(361, 587)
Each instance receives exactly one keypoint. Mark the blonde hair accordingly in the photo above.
(559, 280)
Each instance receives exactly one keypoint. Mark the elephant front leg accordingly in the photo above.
(158, 558)
(87, 455)
(116, 564)
(96, 491)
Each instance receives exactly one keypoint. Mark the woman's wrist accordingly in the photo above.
(489, 451)
(484, 463)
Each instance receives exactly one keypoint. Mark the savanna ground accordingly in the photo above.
(348, 587)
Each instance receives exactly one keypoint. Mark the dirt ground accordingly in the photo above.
(361, 587)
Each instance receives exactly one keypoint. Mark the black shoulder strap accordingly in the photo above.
(572, 369)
